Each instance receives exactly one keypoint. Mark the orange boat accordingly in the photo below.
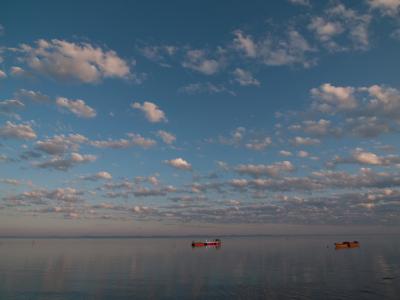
(206, 243)
(346, 245)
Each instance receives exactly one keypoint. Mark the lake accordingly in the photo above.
(270, 267)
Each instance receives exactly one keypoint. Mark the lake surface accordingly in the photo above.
(305, 267)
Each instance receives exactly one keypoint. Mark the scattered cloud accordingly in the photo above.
(34, 96)
(207, 87)
(179, 163)
(10, 106)
(103, 175)
(386, 7)
(17, 131)
(152, 112)
(167, 137)
(300, 2)
(304, 141)
(2, 74)
(77, 107)
(65, 163)
(197, 60)
(63, 60)
(245, 78)
(265, 170)
(60, 144)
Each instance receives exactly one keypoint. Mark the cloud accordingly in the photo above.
(69, 195)
(207, 87)
(289, 51)
(103, 175)
(285, 153)
(18, 72)
(359, 156)
(2, 74)
(134, 140)
(304, 141)
(159, 54)
(258, 144)
(77, 107)
(386, 7)
(265, 170)
(64, 60)
(235, 137)
(14, 131)
(245, 44)
(60, 144)
(325, 30)
(179, 163)
(197, 60)
(329, 98)
(65, 163)
(300, 2)
(245, 78)
(355, 25)
(152, 112)
(167, 137)
(32, 95)
(10, 106)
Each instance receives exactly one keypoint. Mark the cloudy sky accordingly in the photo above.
(183, 116)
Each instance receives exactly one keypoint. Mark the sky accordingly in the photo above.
(191, 117)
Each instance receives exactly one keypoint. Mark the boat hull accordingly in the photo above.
(347, 245)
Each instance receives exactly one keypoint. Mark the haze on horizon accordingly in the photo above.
(183, 117)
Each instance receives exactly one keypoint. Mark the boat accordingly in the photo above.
(207, 243)
(346, 245)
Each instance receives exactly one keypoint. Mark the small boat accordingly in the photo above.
(346, 245)
(206, 243)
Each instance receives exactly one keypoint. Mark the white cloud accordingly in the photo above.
(301, 2)
(245, 44)
(197, 60)
(60, 144)
(62, 60)
(245, 78)
(65, 163)
(152, 112)
(207, 87)
(355, 24)
(285, 153)
(304, 141)
(329, 98)
(303, 154)
(167, 137)
(134, 140)
(18, 72)
(103, 175)
(259, 144)
(138, 140)
(324, 29)
(32, 95)
(179, 163)
(77, 107)
(10, 106)
(386, 7)
(367, 158)
(2, 74)
(262, 170)
(21, 131)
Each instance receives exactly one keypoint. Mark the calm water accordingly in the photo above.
(243, 268)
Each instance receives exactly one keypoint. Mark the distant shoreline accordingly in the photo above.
(194, 236)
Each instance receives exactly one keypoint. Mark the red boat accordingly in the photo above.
(206, 243)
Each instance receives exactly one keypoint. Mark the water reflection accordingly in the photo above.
(244, 268)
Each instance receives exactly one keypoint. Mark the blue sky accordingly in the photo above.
(183, 117)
